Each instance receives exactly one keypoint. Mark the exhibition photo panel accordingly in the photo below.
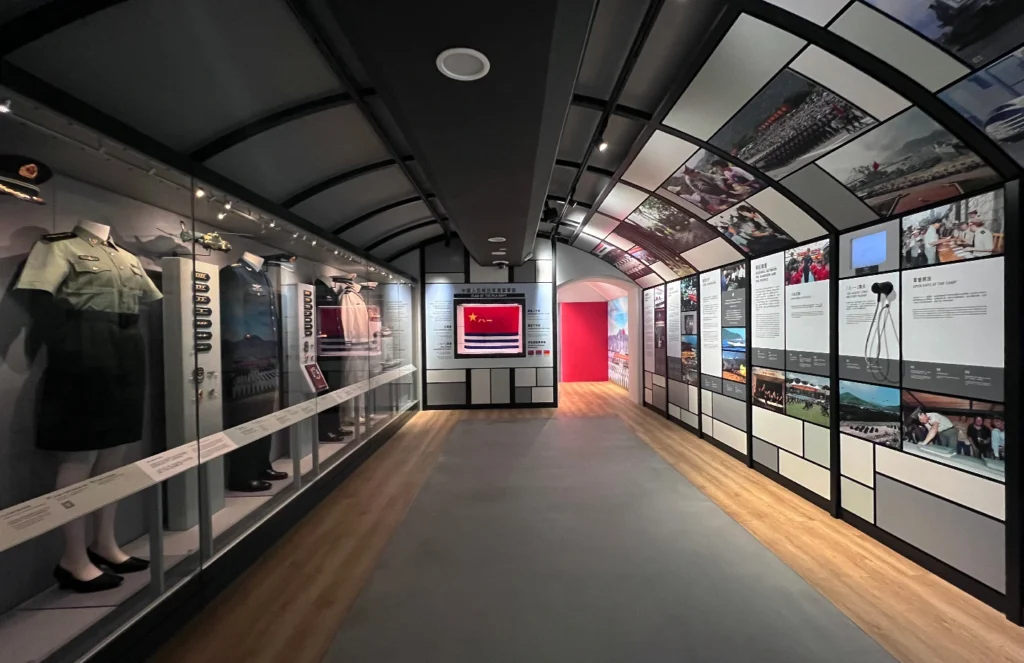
(807, 273)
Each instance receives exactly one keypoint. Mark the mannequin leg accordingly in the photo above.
(75, 467)
(105, 537)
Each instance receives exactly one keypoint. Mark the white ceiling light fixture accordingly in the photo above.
(5, 106)
(497, 253)
(501, 262)
(496, 240)
(602, 146)
(463, 64)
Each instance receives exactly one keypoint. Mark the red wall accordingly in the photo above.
(584, 346)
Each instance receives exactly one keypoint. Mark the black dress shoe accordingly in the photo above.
(130, 565)
(250, 486)
(336, 436)
(101, 583)
(273, 475)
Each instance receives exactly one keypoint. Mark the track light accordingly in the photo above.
(200, 193)
(313, 243)
(221, 215)
(602, 146)
(5, 106)
(273, 224)
(227, 205)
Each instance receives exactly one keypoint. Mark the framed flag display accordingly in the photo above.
(491, 327)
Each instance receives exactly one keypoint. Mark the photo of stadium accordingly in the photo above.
(769, 389)
(734, 366)
(807, 398)
(962, 433)
(712, 183)
(963, 230)
(907, 163)
(790, 123)
(870, 412)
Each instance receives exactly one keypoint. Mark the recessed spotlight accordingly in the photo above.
(602, 146)
(221, 215)
(200, 193)
(273, 224)
(295, 236)
(335, 251)
(5, 106)
(313, 243)
(227, 205)
(463, 64)
(496, 240)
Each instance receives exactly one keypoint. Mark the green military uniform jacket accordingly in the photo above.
(86, 273)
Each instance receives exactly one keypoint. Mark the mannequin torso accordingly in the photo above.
(253, 260)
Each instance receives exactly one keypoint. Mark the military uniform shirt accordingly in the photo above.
(87, 274)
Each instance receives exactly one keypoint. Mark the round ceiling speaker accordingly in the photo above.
(463, 64)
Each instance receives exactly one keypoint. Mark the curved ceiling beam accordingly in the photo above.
(594, 103)
(243, 133)
(398, 233)
(337, 64)
(881, 71)
(639, 39)
(334, 180)
(49, 17)
(348, 225)
(419, 245)
(559, 199)
(575, 165)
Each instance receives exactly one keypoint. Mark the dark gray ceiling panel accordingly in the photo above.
(579, 127)
(611, 35)
(281, 161)
(187, 71)
(620, 135)
(590, 187)
(356, 197)
(561, 179)
(385, 222)
(401, 242)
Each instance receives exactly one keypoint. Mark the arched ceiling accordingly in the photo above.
(803, 117)
(733, 128)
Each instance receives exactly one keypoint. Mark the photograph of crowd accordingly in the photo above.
(807, 398)
(668, 226)
(907, 163)
(751, 232)
(734, 338)
(790, 123)
(688, 291)
(769, 390)
(734, 366)
(975, 31)
(993, 100)
(967, 229)
(734, 277)
(870, 412)
(651, 249)
(621, 260)
(691, 371)
(961, 433)
(712, 183)
(808, 263)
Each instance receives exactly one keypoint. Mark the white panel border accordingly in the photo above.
(599, 226)
(857, 459)
(437, 376)
(659, 158)
(857, 499)
(621, 201)
(712, 254)
(982, 495)
(797, 223)
(812, 477)
(782, 431)
(729, 436)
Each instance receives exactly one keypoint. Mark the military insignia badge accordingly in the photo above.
(84, 257)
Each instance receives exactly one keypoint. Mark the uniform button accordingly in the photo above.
(95, 269)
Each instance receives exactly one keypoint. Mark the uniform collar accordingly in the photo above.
(92, 238)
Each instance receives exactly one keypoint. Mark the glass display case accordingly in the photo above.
(177, 365)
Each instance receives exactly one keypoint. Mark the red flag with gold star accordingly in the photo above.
(490, 328)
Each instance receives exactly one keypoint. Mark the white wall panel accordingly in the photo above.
(856, 459)
(982, 495)
(693, 399)
(649, 281)
(712, 254)
(818, 444)
(674, 411)
(658, 159)
(747, 58)
(807, 474)
(705, 402)
(622, 200)
(453, 375)
(659, 380)
(599, 226)
(858, 499)
(452, 277)
(526, 377)
(480, 386)
(849, 83)
(648, 379)
(648, 395)
(543, 395)
(545, 271)
(688, 417)
(782, 431)
(707, 424)
(730, 436)
(902, 48)
(797, 223)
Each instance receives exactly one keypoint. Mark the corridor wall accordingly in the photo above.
(519, 371)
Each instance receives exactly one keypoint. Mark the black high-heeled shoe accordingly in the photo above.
(101, 583)
(130, 565)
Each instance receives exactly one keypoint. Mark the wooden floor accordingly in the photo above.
(288, 606)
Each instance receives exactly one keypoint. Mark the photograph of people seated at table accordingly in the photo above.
(971, 228)
(966, 434)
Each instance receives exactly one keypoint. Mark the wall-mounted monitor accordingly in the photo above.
(868, 252)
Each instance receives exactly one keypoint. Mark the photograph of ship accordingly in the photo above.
(963, 230)
(769, 390)
(734, 277)
(907, 163)
(751, 232)
(618, 341)
(651, 249)
(691, 371)
(790, 123)
(993, 100)
(712, 183)
(734, 366)
(621, 260)
(870, 412)
(807, 263)
(734, 338)
(688, 290)
(975, 31)
(668, 226)
(965, 434)
(807, 398)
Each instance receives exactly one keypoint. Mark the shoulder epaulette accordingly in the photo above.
(56, 237)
